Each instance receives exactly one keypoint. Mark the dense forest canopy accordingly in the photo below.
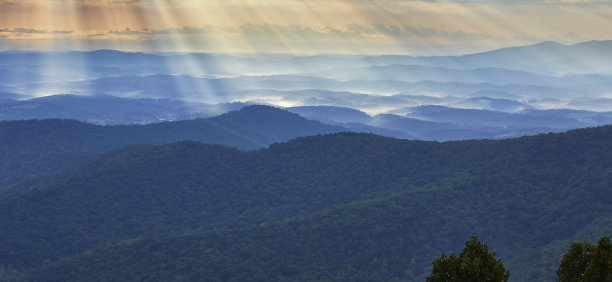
(328, 207)
(32, 147)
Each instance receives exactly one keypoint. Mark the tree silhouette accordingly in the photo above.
(475, 263)
(587, 262)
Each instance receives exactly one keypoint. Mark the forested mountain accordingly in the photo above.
(548, 75)
(441, 123)
(344, 206)
(415, 73)
(175, 177)
(41, 146)
(109, 110)
(509, 92)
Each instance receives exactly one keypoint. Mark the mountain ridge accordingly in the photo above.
(516, 193)
(45, 146)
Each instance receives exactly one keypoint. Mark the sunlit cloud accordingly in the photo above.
(312, 26)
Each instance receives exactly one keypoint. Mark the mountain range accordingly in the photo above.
(32, 147)
(438, 123)
(330, 207)
(124, 166)
(544, 76)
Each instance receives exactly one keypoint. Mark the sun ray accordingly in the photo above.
(193, 72)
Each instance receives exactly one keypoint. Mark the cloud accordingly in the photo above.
(354, 38)
(513, 2)
(127, 31)
(11, 2)
(21, 31)
(268, 31)
(29, 30)
(372, 26)
(188, 30)
(266, 37)
(359, 31)
(94, 35)
(62, 31)
(288, 31)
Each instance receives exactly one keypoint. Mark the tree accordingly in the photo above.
(575, 261)
(475, 263)
(587, 262)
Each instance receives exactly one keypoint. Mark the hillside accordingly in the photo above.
(109, 110)
(441, 123)
(33, 147)
(329, 207)
(543, 76)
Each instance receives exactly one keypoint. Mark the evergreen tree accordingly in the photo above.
(475, 263)
(575, 261)
(587, 262)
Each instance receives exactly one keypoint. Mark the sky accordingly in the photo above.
(413, 27)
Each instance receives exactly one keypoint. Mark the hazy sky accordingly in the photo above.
(305, 26)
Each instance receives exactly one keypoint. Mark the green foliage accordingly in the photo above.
(587, 262)
(550, 255)
(600, 267)
(33, 147)
(10, 274)
(328, 208)
(575, 262)
(474, 263)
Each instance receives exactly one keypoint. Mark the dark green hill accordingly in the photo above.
(186, 186)
(43, 146)
(334, 207)
(389, 239)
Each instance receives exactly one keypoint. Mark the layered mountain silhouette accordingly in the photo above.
(548, 75)
(43, 146)
(109, 110)
(324, 207)
(430, 122)
(168, 166)
(443, 123)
